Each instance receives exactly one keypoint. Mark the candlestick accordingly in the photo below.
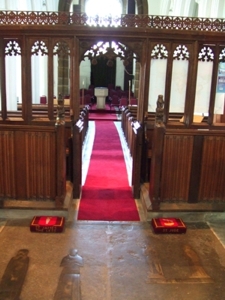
(129, 94)
(83, 96)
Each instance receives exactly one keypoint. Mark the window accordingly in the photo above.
(108, 8)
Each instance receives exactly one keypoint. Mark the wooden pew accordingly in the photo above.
(38, 152)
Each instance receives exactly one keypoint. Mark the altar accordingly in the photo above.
(101, 93)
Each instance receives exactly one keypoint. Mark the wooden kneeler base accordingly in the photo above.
(168, 225)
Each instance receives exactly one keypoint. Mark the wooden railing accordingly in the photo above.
(128, 20)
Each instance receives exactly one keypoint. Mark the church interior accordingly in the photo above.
(149, 74)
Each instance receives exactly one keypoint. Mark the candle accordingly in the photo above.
(129, 93)
(82, 96)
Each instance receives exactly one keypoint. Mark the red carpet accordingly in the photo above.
(107, 108)
(106, 195)
(102, 114)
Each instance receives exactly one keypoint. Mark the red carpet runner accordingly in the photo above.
(102, 114)
(106, 195)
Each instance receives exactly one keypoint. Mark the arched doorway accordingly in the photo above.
(111, 51)
(107, 62)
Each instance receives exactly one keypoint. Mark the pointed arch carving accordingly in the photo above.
(61, 48)
(39, 47)
(181, 53)
(13, 48)
(206, 54)
(126, 50)
(159, 51)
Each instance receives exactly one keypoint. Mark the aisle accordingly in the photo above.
(106, 194)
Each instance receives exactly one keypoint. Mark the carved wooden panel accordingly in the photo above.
(176, 167)
(40, 164)
(138, 21)
(28, 164)
(7, 174)
(212, 182)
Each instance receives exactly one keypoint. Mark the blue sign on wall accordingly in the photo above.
(221, 78)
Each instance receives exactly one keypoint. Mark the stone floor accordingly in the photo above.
(119, 261)
(115, 260)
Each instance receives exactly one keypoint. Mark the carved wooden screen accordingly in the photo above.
(220, 86)
(12, 79)
(204, 80)
(39, 72)
(61, 62)
(179, 78)
(157, 80)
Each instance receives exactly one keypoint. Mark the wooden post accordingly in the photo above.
(137, 151)
(60, 155)
(129, 94)
(3, 113)
(157, 154)
(77, 158)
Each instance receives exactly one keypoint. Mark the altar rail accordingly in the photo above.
(137, 21)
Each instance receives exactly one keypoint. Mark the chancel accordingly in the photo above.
(110, 118)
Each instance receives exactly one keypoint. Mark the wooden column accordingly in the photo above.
(169, 70)
(214, 85)
(191, 85)
(3, 81)
(63, 79)
(50, 82)
(25, 56)
(77, 135)
(143, 83)
(75, 86)
(27, 89)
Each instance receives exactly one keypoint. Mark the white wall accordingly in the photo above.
(119, 72)
(207, 8)
(36, 5)
(85, 71)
